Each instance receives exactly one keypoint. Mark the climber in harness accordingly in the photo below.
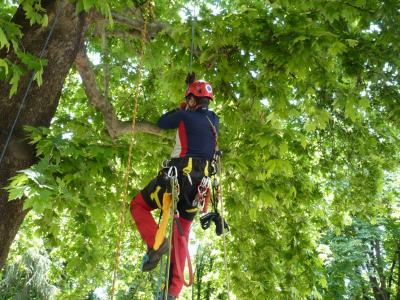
(196, 143)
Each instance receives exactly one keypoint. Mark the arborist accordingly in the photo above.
(196, 144)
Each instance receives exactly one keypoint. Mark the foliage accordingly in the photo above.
(363, 259)
(10, 34)
(27, 277)
(308, 96)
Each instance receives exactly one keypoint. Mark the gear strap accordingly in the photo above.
(215, 132)
(179, 235)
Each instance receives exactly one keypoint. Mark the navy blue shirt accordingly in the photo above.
(195, 136)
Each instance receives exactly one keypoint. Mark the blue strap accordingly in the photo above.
(145, 260)
(159, 282)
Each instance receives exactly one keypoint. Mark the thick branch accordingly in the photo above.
(137, 24)
(104, 45)
(134, 22)
(114, 126)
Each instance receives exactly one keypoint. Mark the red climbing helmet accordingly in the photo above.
(200, 88)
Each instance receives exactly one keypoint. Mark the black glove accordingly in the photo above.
(218, 225)
(206, 220)
(190, 78)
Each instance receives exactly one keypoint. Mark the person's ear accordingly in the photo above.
(191, 102)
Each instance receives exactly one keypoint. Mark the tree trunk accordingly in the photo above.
(209, 289)
(379, 268)
(375, 288)
(41, 102)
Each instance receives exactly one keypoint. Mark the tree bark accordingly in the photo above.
(41, 102)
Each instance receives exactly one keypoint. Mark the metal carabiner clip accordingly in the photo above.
(165, 163)
(172, 172)
(190, 179)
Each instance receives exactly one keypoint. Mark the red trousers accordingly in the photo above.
(141, 213)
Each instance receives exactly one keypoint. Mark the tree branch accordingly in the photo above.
(114, 126)
(137, 24)
(134, 22)
(106, 71)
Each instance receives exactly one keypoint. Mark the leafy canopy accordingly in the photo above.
(308, 97)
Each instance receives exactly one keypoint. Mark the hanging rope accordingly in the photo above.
(121, 224)
(227, 277)
(193, 17)
(175, 199)
(24, 98)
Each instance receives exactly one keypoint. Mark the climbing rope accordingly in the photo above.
(227, 277)
(173, 176)
(22, 105)
(193, 17)
(121, 224)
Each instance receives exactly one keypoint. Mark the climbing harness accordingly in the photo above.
(24, 99)
(121, 224)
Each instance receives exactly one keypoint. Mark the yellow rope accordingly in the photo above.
(121, 224)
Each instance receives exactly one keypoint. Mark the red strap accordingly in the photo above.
(177, 237)
(206, 200)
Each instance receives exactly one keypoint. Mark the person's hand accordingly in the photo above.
(190, 78)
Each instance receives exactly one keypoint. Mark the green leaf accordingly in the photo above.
(17, 186)
(323, 282)
(28, 204)
(42, 201)
(352, 43)
(270, 166)
(337, 48)
(3, 64)
(16, 192)
(364, 102)
(283, 148)
(38, 77)
(310, 125)
(268, 198)
(351, 111)
(3, 40)
(87, 4)
(300, 39)
(16, 75)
